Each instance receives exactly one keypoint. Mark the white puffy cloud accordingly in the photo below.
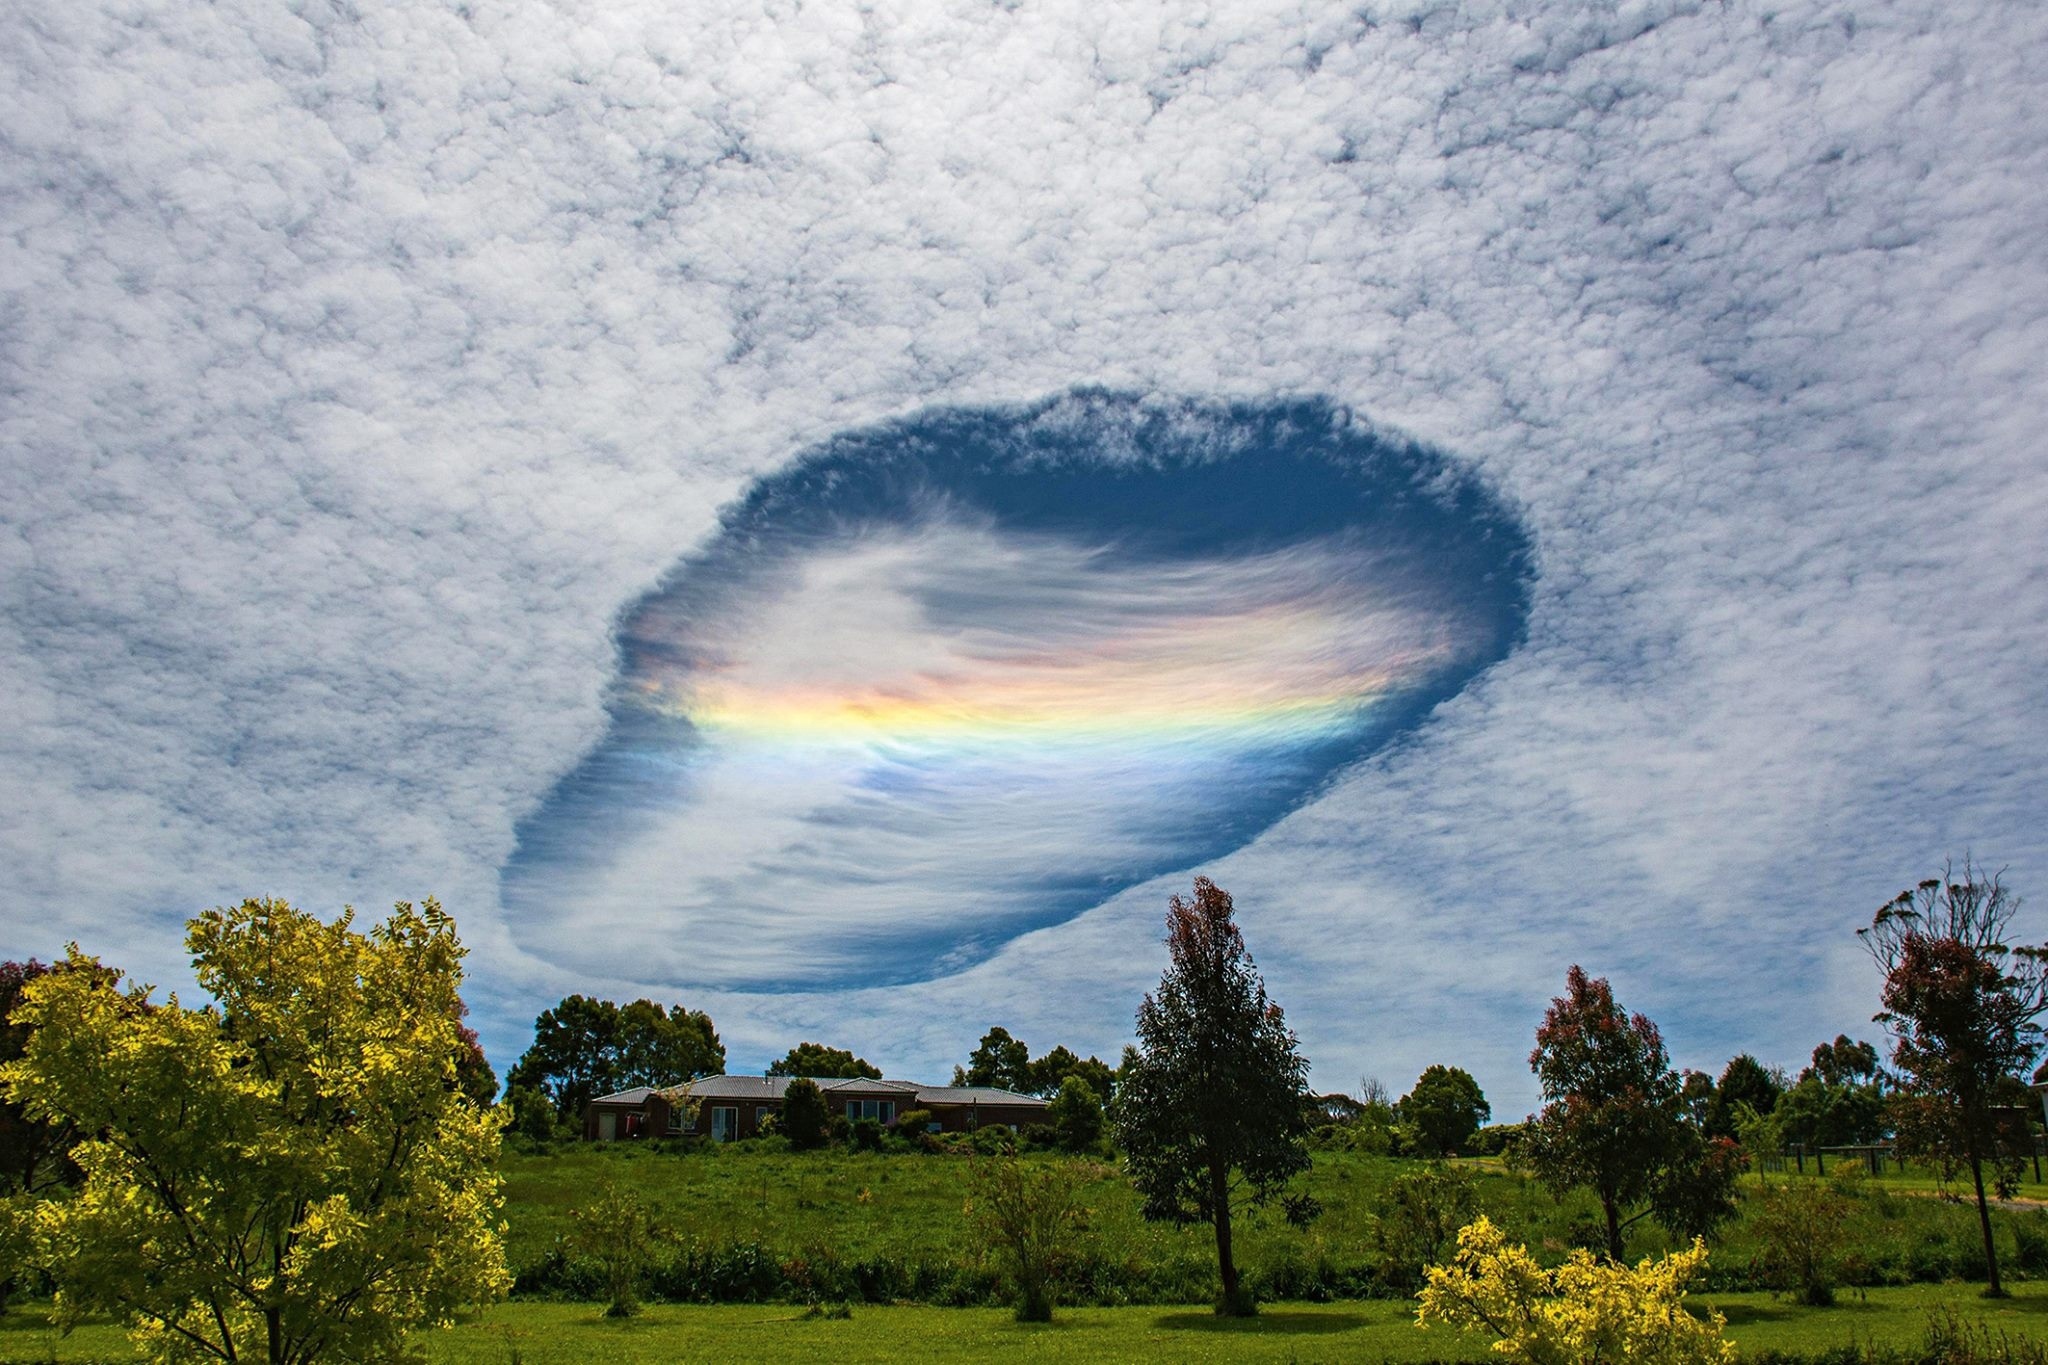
(360, 364)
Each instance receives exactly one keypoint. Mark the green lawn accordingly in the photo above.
(575, 1334)
(890, 1226)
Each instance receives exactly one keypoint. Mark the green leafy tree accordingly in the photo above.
(1076, 1115)
(1444, 1110)
(1838, 1100)
(585, 1047)
(1964, 1009)
(289, 1174)
(1210, 1112)
(1744, 1081)
(805, 1120)
(1031, 1213)
(998, 1060)
(831, 1063)
(35, 1154)
(1613, 1119)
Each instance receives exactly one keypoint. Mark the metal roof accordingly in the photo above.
(772, 1088)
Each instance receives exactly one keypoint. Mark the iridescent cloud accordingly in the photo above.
(967, 675)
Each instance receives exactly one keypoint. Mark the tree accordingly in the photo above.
(1210, 1111)
(1613, 1119)
(1838, 1099)
(1076, 1115)
(585, 1047)
(289, 1174)
(804, 1120)
(1964, 1009)
(1000, 1061)
(1031, 1213)
(815, 1059)
(34, 1154)
(1743, 1081)
(1444, 1110)
(1584, 1310)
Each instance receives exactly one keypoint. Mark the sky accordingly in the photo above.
(832, 514)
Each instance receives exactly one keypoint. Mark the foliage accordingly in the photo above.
(1964, 1011)
(291, 1173)
(1418, 1219)
(617, 1232)
(1031, 1213)
(1744, 1081)
(533, 1113)
(805, 1120)
(1584, 1312)
(1693, 1194)
(1076, 1115)
(1209, 1112)
(583, 1048)
(1443, 1111)
(34, 1154)
(1838, 1100)
(827, 1063)
(999, 1060)
(1005, 1063)
(1803, 1226)
(1613, 1121)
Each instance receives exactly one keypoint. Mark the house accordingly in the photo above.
(730, 1107)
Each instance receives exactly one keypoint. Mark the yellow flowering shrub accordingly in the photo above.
(1585, 1312)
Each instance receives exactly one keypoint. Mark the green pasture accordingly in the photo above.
(530, 1333)
(893, 1224)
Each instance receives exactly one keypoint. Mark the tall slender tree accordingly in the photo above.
(1210, 1110)
(1964, 1010)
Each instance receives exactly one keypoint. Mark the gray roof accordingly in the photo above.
(769, 1088)
(976, 1094)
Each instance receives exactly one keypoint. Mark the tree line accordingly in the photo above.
(304, 1166)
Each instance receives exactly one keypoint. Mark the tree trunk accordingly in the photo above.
(1994, 1290)
(1609, 1207)
(1232, 1304)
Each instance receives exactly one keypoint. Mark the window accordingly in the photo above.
(761, 1113)
(725, 1122)
(885, 1110)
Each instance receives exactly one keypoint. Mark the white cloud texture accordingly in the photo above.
(360, 363)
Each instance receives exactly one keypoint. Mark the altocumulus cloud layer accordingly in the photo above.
(974, 673)
(368, 369)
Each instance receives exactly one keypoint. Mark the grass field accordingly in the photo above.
(575, 1334)
(764, 1224)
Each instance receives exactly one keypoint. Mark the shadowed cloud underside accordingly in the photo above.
(952, 679)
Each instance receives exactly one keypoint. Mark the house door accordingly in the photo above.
(607, 1125)
(725, 1122)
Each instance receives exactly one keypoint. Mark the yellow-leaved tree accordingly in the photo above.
(1584, 1312)
(288, 1174)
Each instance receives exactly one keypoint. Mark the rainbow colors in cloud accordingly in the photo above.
(972, 674)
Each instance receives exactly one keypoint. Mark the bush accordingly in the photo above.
(805, 1120)
(993, 1139)
(1031, 1213)
(1586, 1309)
(1418, 1220)
(1076, 1113)
(913, 1122)
(865, 1135)
(616, 1232)
(1803, 1226)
